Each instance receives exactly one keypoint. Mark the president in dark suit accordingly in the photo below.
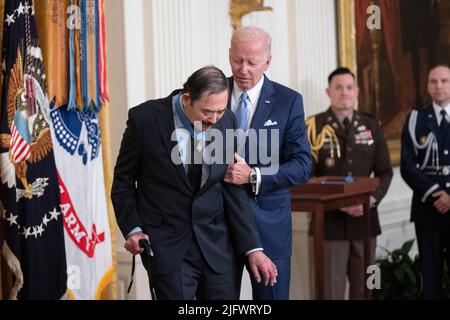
(425, 167)
(165, 191)
(276, 154)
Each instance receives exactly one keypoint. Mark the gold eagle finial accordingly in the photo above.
(239, 8)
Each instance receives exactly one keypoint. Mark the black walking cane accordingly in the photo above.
(147, 257)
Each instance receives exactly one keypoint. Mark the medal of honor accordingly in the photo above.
(198, 145)
(329, 162)
(197, 135)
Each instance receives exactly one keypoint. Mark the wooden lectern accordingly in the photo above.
(328, 193)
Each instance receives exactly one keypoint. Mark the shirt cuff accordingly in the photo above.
(257, 185)
(135, 230)
(430, 191)
(253, 250)
(373, 202)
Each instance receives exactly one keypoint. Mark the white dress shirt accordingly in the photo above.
(437, 112)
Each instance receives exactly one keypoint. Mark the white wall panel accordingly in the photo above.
(314, 27)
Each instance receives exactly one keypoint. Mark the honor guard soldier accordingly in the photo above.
(346, 142)
(425, 167)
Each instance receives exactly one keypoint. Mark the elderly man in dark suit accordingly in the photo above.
(164, 191)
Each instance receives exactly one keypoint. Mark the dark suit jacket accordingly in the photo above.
(279, 108)
(358, 158)
(423, 185)
(152, 192)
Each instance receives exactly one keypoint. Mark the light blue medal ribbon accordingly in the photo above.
(199, 137)
(71, 105)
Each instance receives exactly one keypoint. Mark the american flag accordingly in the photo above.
(34, 245)
(19, 145)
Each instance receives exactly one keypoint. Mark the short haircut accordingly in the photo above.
(251, 33)
(439, 64)
(339, 71)
(207, 79)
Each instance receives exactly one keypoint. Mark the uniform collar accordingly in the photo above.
(336, 120)
(438, 109)
(340, 119)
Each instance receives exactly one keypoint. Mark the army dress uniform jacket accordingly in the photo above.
(364, 152)
(425, 163)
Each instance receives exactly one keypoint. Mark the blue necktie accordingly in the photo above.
(242, 112)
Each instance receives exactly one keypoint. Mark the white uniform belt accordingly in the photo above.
(437, 170)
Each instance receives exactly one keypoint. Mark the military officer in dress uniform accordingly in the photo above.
(425, 167)
(346, 142)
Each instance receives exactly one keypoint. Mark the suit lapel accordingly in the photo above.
(333, 122)
(432, 123)
(230, 86)
(209, 180)
(166, 127)
(209, 170)
(265, 105)
(262, 111)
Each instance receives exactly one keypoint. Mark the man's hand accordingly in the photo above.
(354, 211)
(260, 263)
(238, 172)
(442, 203)
(132, 244)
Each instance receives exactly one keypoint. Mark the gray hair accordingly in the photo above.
(251, 33)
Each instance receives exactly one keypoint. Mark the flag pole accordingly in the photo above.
(111, 293)
(2, 4)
